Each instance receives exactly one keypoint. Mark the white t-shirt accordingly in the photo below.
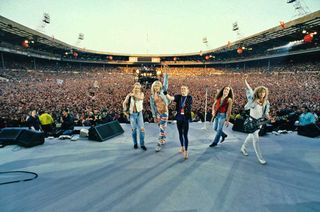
(138, 103)
(257, 111)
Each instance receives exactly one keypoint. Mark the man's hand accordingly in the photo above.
(156, 119)
(126, 114)
(245, 76)
(226, 123)
(273, 120)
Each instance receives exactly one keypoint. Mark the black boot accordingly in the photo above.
(144, 148)
(213, 145)
(223, 137)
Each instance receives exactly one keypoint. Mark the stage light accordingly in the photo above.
(308, 38)
(304, 31)
(158, 73)
(25, 44)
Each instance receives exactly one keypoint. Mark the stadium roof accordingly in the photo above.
(14, 33)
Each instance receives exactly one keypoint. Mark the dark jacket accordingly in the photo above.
(187, 106)
(33, 122)
(68, 122)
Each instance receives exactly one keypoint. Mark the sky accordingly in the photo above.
(151, 26)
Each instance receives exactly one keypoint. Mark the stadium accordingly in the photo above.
(69, 171)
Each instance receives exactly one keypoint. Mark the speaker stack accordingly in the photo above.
(22, 137)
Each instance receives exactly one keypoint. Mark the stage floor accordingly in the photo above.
(111, 176)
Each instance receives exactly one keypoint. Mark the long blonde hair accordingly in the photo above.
(258, 90)
(155, 83)
(136, 84)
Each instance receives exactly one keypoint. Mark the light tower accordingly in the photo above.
(44, 22)
(236, 29)
(300, 7)
(80, 38)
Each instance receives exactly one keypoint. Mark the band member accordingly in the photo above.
(159, 108)
(133, 104)
(259, 107)
(183, 107)
(33, 121)
(47, 123)
(221, 111)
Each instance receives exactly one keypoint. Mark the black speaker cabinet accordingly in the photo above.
(105, 131)
(9, 136)
(30, 138)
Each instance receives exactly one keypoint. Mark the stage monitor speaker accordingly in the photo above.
(105, 131)
(310, 130)
(9, 136)
(30, 138)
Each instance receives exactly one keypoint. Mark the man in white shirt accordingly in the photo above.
(133, 104)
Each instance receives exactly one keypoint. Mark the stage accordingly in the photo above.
(86, 175)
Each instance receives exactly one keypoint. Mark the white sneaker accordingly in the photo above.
(244, 151)
(75, 138)
(62, 137)
(263, 162)
(158, 147)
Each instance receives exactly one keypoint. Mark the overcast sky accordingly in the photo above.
(151, 26)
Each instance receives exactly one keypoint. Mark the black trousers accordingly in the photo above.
(47, 129)
(183, 128)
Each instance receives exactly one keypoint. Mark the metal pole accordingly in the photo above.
(34, 64)
(2, 60)
(205, 110)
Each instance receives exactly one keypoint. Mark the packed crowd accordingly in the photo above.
(94, 93)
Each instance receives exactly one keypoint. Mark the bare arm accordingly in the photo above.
(213, 108)
(246, 83)
(230, 103)
(171, 98)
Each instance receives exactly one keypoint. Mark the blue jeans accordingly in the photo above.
(163, 126)
(218, 125)
(136, 121)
